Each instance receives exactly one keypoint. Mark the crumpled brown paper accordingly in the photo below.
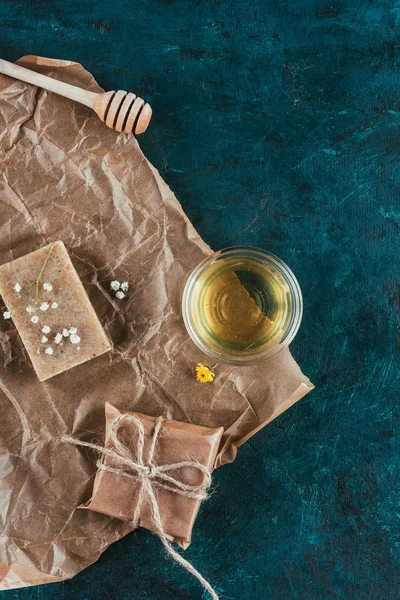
(64, 175)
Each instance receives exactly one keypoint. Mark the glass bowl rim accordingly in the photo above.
(263, 256)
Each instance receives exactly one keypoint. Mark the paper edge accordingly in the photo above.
(16, 576)
(228, 454)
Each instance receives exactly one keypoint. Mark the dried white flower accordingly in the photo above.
(120, 295)
(54, 305)
(65, 332)
(44, 306)
(47, 286)
(46, 329)
(115, 285)
(124, 286)
(44, 339)
(72, 330)
(17, 288)
(7, 315)
(35, 319)
(30, 309)
(49, 351)
(58, 338)
(75, 339)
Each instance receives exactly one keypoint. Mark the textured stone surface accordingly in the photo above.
(276, 124)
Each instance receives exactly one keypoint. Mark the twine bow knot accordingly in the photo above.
(151, 475)
(150, 472)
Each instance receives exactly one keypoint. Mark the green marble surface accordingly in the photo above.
(276, 123)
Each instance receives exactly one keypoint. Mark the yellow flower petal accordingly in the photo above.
(204, 374)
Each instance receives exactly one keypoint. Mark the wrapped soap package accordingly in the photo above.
(117, 496)
(51, 310)
(65, 176)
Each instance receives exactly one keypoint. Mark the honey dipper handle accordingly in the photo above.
(48, 83)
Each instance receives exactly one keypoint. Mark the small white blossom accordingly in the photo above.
(46, 329)
(54, 305)
(120, 295)
(75, 339)
(44, 306)
(72, 330)
(17, 288)
(35, 319)
(124, 286)
(38, 351)
(7, 315)
(44, 339)
(115, 285)
(30, 309)
(58, 338)
(65, 332)
(49, 351)
(47, 286)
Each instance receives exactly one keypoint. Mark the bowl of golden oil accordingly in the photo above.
(242, 305)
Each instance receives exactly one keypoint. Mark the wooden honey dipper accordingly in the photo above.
(120, 110)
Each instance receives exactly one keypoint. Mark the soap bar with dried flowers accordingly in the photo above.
(51, 310)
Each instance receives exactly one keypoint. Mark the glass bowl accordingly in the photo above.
(242, 305)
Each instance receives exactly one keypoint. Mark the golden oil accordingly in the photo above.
(241, 305)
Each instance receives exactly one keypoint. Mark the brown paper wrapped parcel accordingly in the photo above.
(118, 496)
(65, 176)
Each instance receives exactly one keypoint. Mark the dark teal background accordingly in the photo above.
(276, 123)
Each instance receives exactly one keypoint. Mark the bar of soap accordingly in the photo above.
(51, 311)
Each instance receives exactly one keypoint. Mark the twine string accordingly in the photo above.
(151, 476)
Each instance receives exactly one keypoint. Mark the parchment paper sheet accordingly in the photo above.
(64, 175)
